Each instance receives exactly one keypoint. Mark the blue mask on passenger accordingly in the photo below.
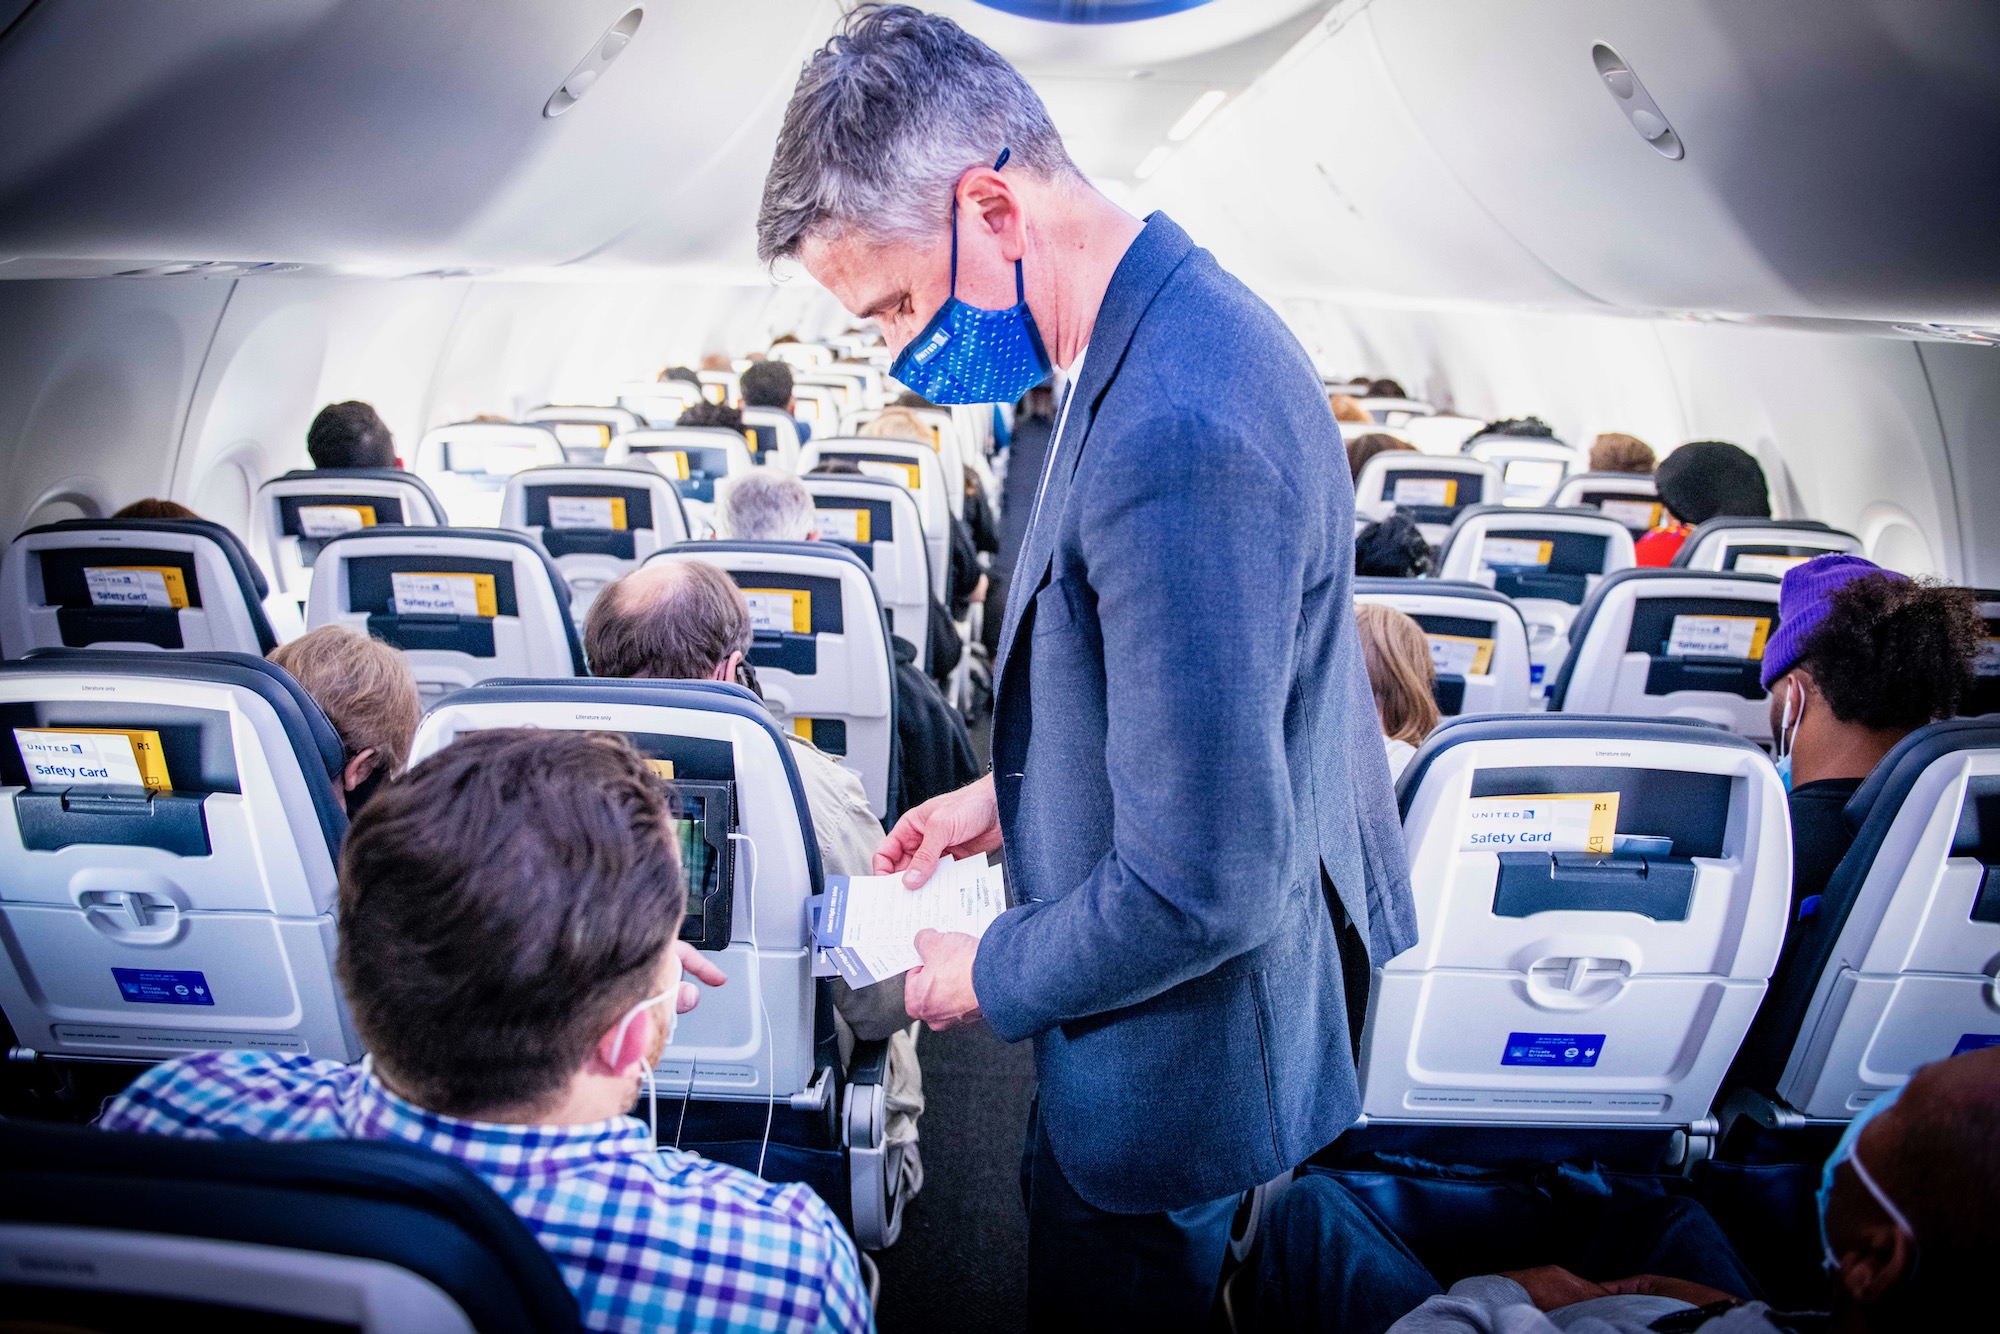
(969, 355)
(1844, 1152)
(1784, 764)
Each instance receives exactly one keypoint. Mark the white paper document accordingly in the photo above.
(68, 759)
(1632, 513)
(1777, 566)
(868, 927)
(323, 521)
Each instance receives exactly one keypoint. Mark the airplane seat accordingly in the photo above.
(132, 584)
(111, 1231)
(464, 604)
(1532, 468)
(1894, 965)
(1985, 697)
(468, 463)
(721, 387)
(752, 860)
(1546, 560)
(819, 406)
(1672, 644)
(1631, 498)
(878, 522)
(296, 513)
(821, 653)
(169, 834)
(694, 458)
(946, 441)
(1432, 487)
(777, 436)
(1479, 642)
(585, 431)
(1600, 902)
(596, 523)
(1760, 546)
(1394, 411)
(658, 403)
(914, 467)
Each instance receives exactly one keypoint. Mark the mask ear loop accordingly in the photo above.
(998, 163)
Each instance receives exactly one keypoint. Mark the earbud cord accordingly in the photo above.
(757, 993)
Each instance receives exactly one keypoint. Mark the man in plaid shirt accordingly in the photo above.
(509, 915)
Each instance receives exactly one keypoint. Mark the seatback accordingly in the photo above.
(946, 440)
(1531, 469)
(132, 584)
(1561, 985)
(296, 513)
(1985, 697)
(468, 464)
(464, 604)
(801, 355)
(659, 403)
(169, 830)
(1629, 497)
(1546, 560)
(1897, 964)
(912, 466)
(694, 458)
(777, 437)
(821, 652)
(1760, 546)
(877, 521)
(1479, 643)
(584, 430)
(156, 1231)
(1672, 644)
(597, 523)
(819, 406)
(721, 387)
(745, 905)
(1433, 487)
(1394, 411)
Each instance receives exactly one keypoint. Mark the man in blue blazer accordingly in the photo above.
(1188, 778)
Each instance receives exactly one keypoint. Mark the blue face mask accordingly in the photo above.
(969, 355)
(1844, 1152)
(1784, 766)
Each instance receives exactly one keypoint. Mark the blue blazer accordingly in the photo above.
(1200, 837)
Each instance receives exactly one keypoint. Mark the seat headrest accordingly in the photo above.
(1608, 586)
(399, 475)
(249, 576)
(1896, 772)
(1558, 727)
(1723, 522)
(819, 550)
(1451, 588)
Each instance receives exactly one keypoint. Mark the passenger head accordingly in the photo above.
(1394, 548)
(502, 911)
(1934, 1156)
(769, 506)
(898, 424)
(670, 621)
(705, 413)
(832, 467)
(151, 508)
(1385, 389)
(684, 374)
(768, 384)
(910, 398)
(1615, 451)
(1365, 447)
(716, 361)
(350, 435)
(1347, 408)
(367, 692)
(1861, 658)
(1709, 478)
(1398, 658)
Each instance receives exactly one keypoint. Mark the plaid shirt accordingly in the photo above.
(645, 1242)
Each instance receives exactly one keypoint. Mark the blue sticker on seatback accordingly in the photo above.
(160, 986)
(1552, 1049)
(1976, 1042)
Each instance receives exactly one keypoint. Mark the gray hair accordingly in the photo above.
(671, 621)
(887, 116)
(768, 507)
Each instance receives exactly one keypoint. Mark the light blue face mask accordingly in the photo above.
(969, 355)
(1786, 730)
(1845, 1152)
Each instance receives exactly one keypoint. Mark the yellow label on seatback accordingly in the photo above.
(780, 609)
(136, 586)
(443, 593)
(661, 769)
(60, 757)
(1546, 822)
(1460, 655)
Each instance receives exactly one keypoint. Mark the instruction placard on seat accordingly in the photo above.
(1718, 636)
(162, 986)
(93, 757)
(1556, 822)
(843, 525)
(1460, 655)
(1751, 563)
(582, 435)
(783, 609)
(669, 463)
(1553, 1049)
(136, 586)
(1632, 513)
(907, 475)
(599, 512)
(1424, 491)
(320, 521)
(1987, 661)
(1515, 552)
(423, 593)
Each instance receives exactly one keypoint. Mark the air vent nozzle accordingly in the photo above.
(1637, 104)
(591, 68)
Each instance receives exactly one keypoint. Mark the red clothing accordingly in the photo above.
(1657, 548)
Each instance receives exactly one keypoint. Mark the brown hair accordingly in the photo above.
(1614, 451)
(364, 686)
(1365, 447)
(1398, 657)
(500, 908)
(1893, 654)
(674, 621)
(151, 508)
(899, 424)
(1347, 408)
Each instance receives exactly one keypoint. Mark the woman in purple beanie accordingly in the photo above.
(1862, 657)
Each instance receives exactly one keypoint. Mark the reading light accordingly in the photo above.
(1198, 111)
(591, 68)
(1152, 162)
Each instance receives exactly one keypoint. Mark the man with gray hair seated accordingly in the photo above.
(769, 507)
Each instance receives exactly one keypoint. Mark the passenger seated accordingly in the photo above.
(1347, 408)
(716, 361)
(1905, 1213)
(705, 413)
(685, 374)
(768, 384)
(1365, 447)
(508, 922)
(1862, 657)
(769, 507)
(350, 435)
(1698, 482)
(1385, 389)
(1398, 657)
(1614, 451)
(152, 508)
(967, 582)
(1393, 548)
(367, 692)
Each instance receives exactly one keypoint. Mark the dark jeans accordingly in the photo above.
(1090, 1269)
(1331, 1264)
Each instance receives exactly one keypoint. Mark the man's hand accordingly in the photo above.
(1680, 1289)
(940, 992)
(961, 822)
(698, 965)
(1552, 1286)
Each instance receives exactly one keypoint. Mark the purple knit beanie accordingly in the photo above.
(1803, 602)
